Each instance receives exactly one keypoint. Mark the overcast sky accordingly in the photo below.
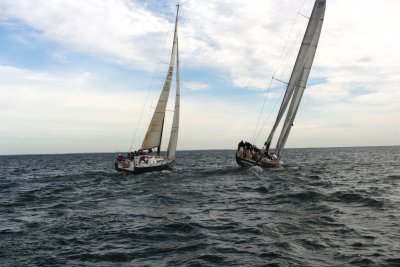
(74, 75)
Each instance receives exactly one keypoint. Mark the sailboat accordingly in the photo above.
(148, 157)
(248, 154)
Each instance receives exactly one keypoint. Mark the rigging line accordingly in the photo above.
(291, 51)
(280, 80)
(150, 87)
(276, 69)
(276, 102)
(299, 35)
(269, 114)
(262, 110)
(287, 40)
(304, 16)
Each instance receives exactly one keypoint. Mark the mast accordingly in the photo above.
(159, 146)
(155, 130)
(299, 76)
(173, 139)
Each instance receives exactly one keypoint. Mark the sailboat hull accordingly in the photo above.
(133, 167)
(264, 162)
(137, 170)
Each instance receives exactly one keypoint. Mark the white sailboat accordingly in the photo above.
(247, 154)
(144, 160)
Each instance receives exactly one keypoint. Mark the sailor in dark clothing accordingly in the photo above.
(267, 144)
(241, 144)
(266, 154)
(247, 146)
(240, 149)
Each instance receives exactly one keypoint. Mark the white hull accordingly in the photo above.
(142, 164)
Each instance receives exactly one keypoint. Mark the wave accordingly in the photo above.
(351, 197)
(298, 197)
(76, 210)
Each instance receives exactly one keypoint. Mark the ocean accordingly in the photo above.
(322, 207)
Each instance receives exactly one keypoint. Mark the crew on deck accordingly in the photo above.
(240, 149)
(251, 152)
(248, 151)
(143, 156)
(120, 158)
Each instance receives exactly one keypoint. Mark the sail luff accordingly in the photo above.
(173, 139)
(315, 25)
(297, 68)
(154, 132)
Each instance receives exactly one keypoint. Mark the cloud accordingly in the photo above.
(37, 108)
(128, 33)
(46, 112)
(237, 38)
(352, 89)
(242, 40)
(121, 31)
(195, 86)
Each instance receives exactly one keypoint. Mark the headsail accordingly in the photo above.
(299, 76)
(154, 132)
(173, 139)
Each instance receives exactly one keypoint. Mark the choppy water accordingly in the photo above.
(323, 207)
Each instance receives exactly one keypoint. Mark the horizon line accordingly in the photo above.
(211, 149)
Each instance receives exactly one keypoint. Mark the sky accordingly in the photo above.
(75, 75)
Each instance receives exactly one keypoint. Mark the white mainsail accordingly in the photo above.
(154, 132)
(299, 76)
(173, 139)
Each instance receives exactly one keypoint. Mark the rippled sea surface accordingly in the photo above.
(322, 207)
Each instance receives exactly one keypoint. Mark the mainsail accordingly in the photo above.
(154, 132)
(299, 76)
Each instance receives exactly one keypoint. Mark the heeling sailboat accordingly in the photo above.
(143, 160)
(247, 154)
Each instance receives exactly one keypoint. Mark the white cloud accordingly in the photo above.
(242, 39)
(73, 117)
(121, 31)
(357, 62)
(195, 86)
(37, 108)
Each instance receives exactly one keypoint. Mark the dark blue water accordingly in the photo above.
(323, 207)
